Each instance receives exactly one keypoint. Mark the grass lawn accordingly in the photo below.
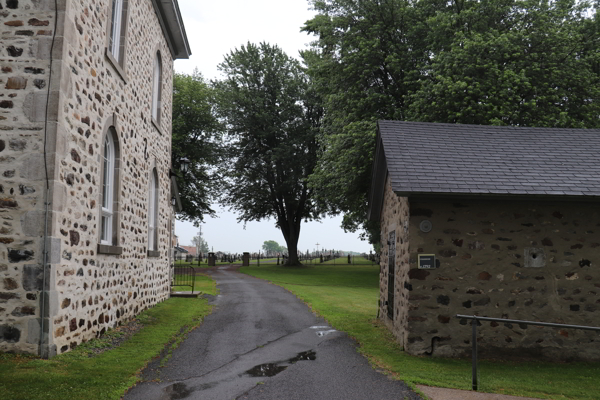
(347, 297)
(80, 374)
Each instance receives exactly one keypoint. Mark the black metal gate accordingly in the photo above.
(184, 276)
(391, 273)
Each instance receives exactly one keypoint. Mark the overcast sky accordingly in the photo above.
(214, 29)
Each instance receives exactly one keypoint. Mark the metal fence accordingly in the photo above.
(183, 276)
(476, 320)
(258, 258)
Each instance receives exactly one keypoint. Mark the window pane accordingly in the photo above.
(108, 172)
(104, 233)
(107, 189)
(115, 33)
(156, 88)
(152, 212)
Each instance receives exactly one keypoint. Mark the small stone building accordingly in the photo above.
(502, 222)
(85, 155)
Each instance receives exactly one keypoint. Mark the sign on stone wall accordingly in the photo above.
(426, 261)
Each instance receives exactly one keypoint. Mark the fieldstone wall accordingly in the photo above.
(27, 29)
(87, 292)
(530, 260)
(395, 218)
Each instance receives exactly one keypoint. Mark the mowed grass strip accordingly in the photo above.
(347, 297)
(76, 375)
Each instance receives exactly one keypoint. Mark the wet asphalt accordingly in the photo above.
(261, 342)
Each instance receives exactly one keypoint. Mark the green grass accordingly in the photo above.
(201, 284)
(347, 296)
(75, 375)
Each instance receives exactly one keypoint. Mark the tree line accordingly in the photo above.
(294, 140)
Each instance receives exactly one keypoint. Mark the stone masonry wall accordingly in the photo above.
(529, 260)
(88, 292)
(394, 217)
(27, 28)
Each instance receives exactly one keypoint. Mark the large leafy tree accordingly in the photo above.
(512, 62)
(271, 247)
(201, 244)
(272, 118)
(533, 63)
(197, 137)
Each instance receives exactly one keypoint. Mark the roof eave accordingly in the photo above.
(171, 23)
(377, 189)
(415, 195)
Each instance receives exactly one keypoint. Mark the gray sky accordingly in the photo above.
(214, 29)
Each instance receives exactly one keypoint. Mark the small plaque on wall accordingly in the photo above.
(427, 261)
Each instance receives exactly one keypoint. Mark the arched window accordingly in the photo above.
(156, 88)
(153, 212)
(108, 185)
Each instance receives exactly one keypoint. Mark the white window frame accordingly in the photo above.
(153, 212)
(115, 31)
(108, 181)
(156, 88)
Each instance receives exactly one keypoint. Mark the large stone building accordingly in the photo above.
(85, 155)
(501, 222)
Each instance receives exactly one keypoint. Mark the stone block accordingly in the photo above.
(53, 247)
(34, 107)
(534, 257)
(33, 331)
(32, 223)
(10, 334)
(33, 277)
(32, 167)
(16, 83)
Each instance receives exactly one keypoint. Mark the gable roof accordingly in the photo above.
(171, 23)
(451, 159)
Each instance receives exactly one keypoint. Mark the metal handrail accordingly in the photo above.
(514, 321)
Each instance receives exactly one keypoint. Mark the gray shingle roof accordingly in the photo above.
(432, 158)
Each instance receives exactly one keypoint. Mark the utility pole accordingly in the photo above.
(199, 242)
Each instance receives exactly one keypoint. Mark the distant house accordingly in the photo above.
(85, 153)
(191, 250)
(495, 221)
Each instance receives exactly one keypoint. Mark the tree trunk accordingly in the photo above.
(291, 234)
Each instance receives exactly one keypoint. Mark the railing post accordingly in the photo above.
(474, 353)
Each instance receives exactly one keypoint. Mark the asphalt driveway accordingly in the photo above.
(261, 342)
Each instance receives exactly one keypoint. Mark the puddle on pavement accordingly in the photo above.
(272, 369)
(178, 391)
(305, 355)
(265, 370)
(325, 333)
(319, 327)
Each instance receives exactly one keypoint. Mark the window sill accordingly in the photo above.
(112, 60)
(153, 253)
(108, 249)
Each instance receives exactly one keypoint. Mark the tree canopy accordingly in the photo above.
(272, 247)
(272, 119)
(201, 244)
(500, 62)
(196, 136)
